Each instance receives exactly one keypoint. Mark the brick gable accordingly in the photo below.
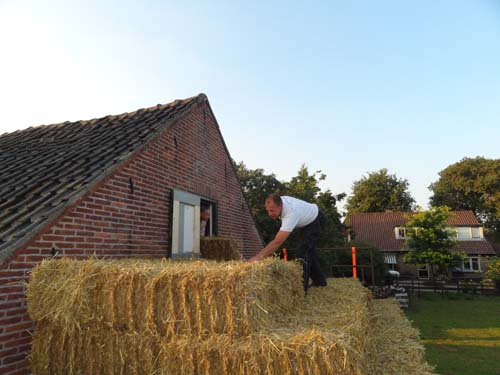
(128, 214)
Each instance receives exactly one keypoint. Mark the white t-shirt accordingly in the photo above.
(296, 213)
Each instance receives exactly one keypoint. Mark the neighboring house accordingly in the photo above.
(120, 186)
(386, 231)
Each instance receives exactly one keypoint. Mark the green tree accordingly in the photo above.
(380, 192)
(471, 184)
(257, 186)
(305, 186)
(430, 241)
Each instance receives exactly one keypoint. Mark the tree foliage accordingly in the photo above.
(430, 241)
(380, 192)
(471, 184)
(257, 186)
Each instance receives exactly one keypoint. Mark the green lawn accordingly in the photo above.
(461, 333)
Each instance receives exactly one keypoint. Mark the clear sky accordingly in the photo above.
(346, 87)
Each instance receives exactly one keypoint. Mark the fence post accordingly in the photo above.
(354, 271)
(372, 264)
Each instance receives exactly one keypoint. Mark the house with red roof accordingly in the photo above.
(387, 232)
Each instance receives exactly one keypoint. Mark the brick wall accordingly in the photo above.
(127, 214)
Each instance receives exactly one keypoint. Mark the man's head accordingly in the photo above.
(274, 205)
(204, 212)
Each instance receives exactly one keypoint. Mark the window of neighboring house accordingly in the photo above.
(464, 233)
(477, 232)
(423, 272)
(471, 264)
(402, 232)
(390, 260)
(468, 233)
(207, 218)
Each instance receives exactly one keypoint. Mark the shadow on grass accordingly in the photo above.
(461, 333)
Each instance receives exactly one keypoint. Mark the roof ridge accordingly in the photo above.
(197, 98)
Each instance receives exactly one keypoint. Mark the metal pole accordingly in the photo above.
(354, 271)
(372, 266)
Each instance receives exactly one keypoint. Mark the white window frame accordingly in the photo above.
(470, 232)
(180, 198)
(426, 269)
(404, 231)
(470, 261)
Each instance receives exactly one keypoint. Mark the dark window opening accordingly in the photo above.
(208, 218)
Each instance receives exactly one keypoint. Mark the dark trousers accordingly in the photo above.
(306, 253)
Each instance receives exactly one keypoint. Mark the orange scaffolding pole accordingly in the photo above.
(354, 271)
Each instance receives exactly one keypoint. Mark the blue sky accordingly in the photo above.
(346, 87)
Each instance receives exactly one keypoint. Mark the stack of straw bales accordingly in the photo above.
(219, 248)
(198, 317)
(393, 346)
(164, 297)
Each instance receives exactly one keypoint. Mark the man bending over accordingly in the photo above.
(295, 213)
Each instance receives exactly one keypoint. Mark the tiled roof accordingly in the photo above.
(44, 169)
(378, 229)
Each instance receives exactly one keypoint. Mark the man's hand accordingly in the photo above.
(271, 247)
(256, 258)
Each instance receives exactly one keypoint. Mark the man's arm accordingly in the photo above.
(272, 246)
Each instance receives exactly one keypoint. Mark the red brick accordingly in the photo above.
(15, 358)
(11, 370)
(19, 327)
(18, 342)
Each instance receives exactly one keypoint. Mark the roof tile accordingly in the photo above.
(42, 168)
(377, 228)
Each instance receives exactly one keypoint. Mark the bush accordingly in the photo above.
(493, 272)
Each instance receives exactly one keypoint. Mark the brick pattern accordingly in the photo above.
(128, 214)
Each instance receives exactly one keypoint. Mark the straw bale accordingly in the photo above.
(393, 345)
(324, 336)
(219, 248)
(163, 296)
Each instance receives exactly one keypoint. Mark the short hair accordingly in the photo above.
(204, 207)
(275, 198)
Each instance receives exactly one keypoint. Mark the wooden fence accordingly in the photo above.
(457, 285)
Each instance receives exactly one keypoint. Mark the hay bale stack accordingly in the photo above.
(205, 317)
(393, 345)
(324, 336)
(164, 297)
(219, 248)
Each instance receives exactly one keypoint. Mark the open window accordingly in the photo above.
(192, 218)
(208, 216)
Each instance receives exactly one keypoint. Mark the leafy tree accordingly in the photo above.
(380, 192)
(257, 186)
(305, 186)
(471, 184)
(430, 241)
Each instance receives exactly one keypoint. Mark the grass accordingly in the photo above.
(461, 333)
